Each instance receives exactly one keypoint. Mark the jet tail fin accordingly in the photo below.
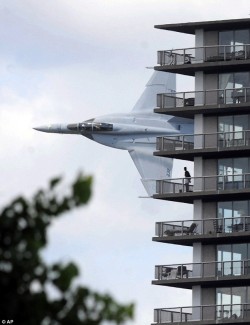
(160, 82)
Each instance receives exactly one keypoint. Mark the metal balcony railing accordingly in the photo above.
(203, 184)
(218, 140)
(201, 54)
(202, 270)
(203, 98)
(223, 313)
(202, 226)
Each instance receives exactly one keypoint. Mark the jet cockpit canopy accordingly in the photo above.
(90, 126)
(95, 126)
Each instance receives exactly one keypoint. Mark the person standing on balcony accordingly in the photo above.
(187, 178)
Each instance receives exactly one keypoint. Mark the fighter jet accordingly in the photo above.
(136, 131)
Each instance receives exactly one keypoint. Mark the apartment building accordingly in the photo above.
(219, 230)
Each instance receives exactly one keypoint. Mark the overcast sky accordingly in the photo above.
(71, 60)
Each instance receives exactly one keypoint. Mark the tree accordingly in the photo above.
(25, 278)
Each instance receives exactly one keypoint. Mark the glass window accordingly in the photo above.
(224, 256)
(225, 213)
(231, 129)
(226, 37)
(240, 79)
(226, 80)
(240, 209)
(241, 123)
(230, 301)
(232, 259)
(241, 37)
(234, 87)
(240, 167)
(234, 39)
(225, 124)
(233, 173)
(233, 215)
(225, 168)
(239, 254)
(234, 80)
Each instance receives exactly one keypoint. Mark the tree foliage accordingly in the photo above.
(26, 280)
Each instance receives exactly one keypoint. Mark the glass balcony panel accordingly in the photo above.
(202, 226)
(203, 54)
(222, 313)
(205, 184)
(202, 270)
(201, 98)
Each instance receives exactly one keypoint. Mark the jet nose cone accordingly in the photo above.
(51, 128)
(41, 128)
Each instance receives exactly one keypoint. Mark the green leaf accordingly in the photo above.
(82, 189)
(54, 182)
(65, 277)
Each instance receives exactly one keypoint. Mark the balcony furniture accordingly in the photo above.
(166, 272)
(217, 226)
(192, 228)
(184, 230)
(237, 227)
(239, 55)
(189, 102)
(181, 271)
(215, 58)
(238, 96)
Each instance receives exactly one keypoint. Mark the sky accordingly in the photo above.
(67, 61)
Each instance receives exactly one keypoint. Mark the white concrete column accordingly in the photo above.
(196, 301)
(199, 43)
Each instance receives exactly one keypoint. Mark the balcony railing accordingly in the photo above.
(218, 140)
(230, 312)
(203, 184)
(202, 98)
(202, 226)
(202, 270)
(203, 54)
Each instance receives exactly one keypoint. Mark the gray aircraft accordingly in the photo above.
(136, 131)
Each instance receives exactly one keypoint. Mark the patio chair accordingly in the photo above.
(166, 272)
(181, 271)
(187, 230)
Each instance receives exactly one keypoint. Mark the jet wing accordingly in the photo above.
(151, 168)
(160, 82)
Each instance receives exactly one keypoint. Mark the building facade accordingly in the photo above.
(219, 230)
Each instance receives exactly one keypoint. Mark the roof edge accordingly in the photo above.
(190, 27)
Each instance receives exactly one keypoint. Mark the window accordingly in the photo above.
(234, 39)
(231, 130)
(233, 215)
(230, 301)
(234, 173)
(232, 259)
(234, 80)
(235, 87)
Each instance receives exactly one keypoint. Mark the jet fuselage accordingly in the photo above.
(122, 131)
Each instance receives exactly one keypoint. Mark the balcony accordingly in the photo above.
(217, 58)
(229, 187)
(207, 231)
(212, 274)
(209, 145)
(206, 314)
(186, 104)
